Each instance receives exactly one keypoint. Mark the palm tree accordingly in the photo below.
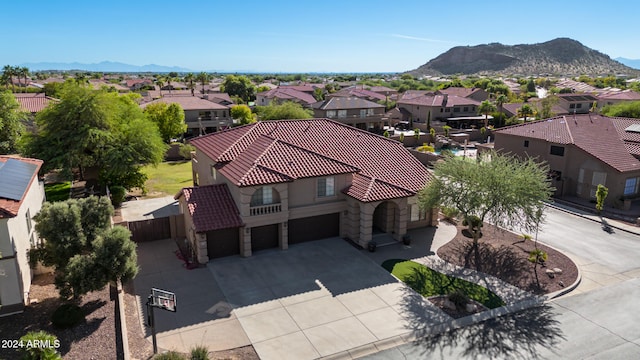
(525, 111)
(9, 72)
(81, 78)
(160, 83)
(203, 78)
(189, 78)
(24, 72)
(500, 101)
(486, 108)
(169, 78)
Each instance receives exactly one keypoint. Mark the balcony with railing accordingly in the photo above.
(265, 209)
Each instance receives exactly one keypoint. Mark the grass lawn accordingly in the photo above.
(57, 191)
(168, 178)
(428, 282)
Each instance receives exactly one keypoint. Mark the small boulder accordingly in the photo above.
(561, 284)
(550, 273)
(558, 271)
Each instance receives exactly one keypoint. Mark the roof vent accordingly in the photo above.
(635, 128)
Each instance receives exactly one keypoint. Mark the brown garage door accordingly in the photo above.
(264, 237)
(314, 228)
(225, 242)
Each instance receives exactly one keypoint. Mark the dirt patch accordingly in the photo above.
(505, 255)
(94, 339)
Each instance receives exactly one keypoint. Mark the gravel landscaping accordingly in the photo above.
(94, 339)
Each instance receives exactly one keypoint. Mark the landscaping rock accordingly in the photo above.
(550, 273)
(557, 271)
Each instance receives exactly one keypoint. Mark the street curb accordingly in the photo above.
(568, 211)
(123, 322)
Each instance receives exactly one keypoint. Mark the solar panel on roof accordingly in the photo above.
(633, 128)
(15, 178)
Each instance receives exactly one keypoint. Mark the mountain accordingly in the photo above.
(560, 56)
(105, 66)
(632, 63)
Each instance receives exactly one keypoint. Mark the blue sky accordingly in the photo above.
(300, 36)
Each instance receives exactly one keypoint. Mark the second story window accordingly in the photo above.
(331, 113)
(263, 196)
(557, 150)
(342, 114)
(326, 187)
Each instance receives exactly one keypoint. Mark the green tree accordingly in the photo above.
(169, 118)
(11, 118)
(318, 94)
(23, 72)
(239, 86)
(87, 253)
(90, 128)
(525, 111)
(8, 72)
(160, 81)
(531, 86)
(498, 188)
(630, 109)
(601, 194)
(286, 110)
(486, 108)
(500, 101)
(243, 114)
(547, 104)
(537, 256)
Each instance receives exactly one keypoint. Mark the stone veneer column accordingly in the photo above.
(201, 248)
(353, 220)
(366, 223)
(435, 212)
(402, 217)
(283, 240)
(245, 241)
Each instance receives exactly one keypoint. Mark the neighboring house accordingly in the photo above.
(21, 197)
(383, 90)
(219, 98)
(576, 103)
(582, 151)
(100, 84)
(33, 102)
(202, 116)
(440, 108)
(360, 92)
(276, 183)
(476, 94)
(358, 112)
(137, 84)
(512, 109)
(282, 94)
(616, 97)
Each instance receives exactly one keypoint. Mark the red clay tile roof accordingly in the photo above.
(359, 92)
(275, 151)
(211, 207)
(188, 102)
(459, 91)
(33, 102)
(454, 100)
(628, 95)
(424, 100)
(601, 136)
(288, 94)
(9, 207)
(345, 103)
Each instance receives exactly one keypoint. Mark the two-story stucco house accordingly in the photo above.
(21, 197)
(582, 151)
(201, 115)
(354, 111)
(576, 103)
(276, 183)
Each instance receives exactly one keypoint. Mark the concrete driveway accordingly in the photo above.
(313, 300)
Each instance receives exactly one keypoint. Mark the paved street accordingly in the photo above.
(598, 320)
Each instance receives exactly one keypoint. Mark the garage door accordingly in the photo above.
(264, 237)
(314, 228)
(225, 242)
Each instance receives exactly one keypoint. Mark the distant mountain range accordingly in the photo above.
(104, 66)
(562, 56)
(633, 63)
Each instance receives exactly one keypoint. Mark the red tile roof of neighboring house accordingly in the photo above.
(211, 207)
(9, 207)
(302, 88)
(275, 151)
(459, 91)
(288, 94)
(357, 91)
(424, 100)
(344, 103)
(601, 136)
(33, 102)
(383, 89)
(132, 82)
(188, 102)
(628, 95)
(412, 94)
(454, 100)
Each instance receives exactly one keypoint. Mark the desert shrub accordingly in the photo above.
(66, 316)
(42, 352)
(450, 214)
(170, 355)
(425, 148)
(118, 194)
(200, 353)
(185, 150)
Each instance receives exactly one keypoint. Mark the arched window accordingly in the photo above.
(265, 195)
